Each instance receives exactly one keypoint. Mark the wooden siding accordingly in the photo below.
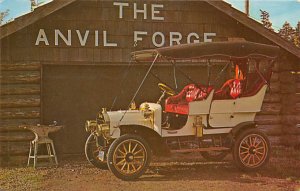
(20, 104)
(21, 62)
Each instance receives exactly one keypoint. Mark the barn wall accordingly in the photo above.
(20, 104)
(22, 61)
(183, 17)
(289, 90)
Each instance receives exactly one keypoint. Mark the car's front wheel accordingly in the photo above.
(251, 150)
(128, 157)
(92, 150)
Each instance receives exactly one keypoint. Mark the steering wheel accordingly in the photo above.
(169, 91)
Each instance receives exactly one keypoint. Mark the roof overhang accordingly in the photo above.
(32, 17)
(255, 26)
(45, 10)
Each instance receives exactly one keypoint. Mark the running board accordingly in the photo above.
(201, 149)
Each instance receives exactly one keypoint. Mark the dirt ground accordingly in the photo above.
(76, 174)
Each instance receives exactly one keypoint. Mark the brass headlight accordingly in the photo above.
(104, 130)
(100, 126)
(90, 125)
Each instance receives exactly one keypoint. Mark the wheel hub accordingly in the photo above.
(129, 157)
(252, 150)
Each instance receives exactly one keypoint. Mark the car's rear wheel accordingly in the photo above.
(214, 155)
(251, 150)
(92, 151)
(128, 157)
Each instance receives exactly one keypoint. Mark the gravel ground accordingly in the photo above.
(282, 173)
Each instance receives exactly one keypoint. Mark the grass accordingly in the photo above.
(16, 179)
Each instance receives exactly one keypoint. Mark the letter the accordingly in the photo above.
(105, 41)
(41, 38)
(136, 11)
(153, 7)
(96, 38)
(162, 39)
(193, 35)
(173, 39)
(82, 40)
(207, 35)
(59, 34)
(121, 5)
(136, 38)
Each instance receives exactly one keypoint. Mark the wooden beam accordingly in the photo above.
(271, 129)
(25, 78)
(20, 113)
(32, 66)
(275, 140)
(290, 140)
(287, 77)
(19, 102)
(288, 88)
(19, 136)
(298, 77)
(290, 119)
(291, 129)
(270, 108)
(9, 125)
(297, 107)
(272, 98)
(22, 89)
(275, 77)
(275, 87)
(13, 160)
(14, 148)
(268, 119)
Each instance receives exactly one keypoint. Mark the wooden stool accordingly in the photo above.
(41, 138)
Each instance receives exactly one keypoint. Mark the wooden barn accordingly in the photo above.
(64, 61)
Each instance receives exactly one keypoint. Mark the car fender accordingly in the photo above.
(245, 125)
(152, 137)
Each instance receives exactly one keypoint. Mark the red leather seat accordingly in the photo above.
(255, 83)
(180, 102)
(231, 89)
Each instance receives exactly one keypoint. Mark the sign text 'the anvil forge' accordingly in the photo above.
(101, 37)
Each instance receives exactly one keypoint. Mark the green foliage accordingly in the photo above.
(297, 35)
(265, 19)
(290, 34)
(3, 14)
(287, 32)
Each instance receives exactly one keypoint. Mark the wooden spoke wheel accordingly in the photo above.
(251, 150)
(128, 157)
(92, 151)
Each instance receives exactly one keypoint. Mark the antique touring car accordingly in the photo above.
(200, 118)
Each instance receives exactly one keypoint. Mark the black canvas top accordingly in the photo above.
(227, 50)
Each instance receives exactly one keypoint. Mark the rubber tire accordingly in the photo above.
(216, 158)
(88, 149)
(235, 153)
(115, 144)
